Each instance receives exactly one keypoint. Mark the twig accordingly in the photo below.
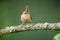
(38, 26)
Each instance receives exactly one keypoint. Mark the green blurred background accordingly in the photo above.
(40, 10)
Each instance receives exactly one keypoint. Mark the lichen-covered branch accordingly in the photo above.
(38, 26)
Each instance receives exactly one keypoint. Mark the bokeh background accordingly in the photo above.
(40, 10)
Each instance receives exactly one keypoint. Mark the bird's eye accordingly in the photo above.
(25, 13)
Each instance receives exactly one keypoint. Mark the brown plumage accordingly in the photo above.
(26, 17)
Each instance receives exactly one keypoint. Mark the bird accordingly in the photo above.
(25, 16)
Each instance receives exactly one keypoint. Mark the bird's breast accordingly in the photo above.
(26, 18)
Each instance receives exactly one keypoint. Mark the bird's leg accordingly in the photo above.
(22, 24)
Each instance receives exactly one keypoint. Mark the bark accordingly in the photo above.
(29, 27)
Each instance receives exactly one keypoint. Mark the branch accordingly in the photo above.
(28, 27)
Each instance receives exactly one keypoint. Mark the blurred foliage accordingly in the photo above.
(57, 37)
(40, 10)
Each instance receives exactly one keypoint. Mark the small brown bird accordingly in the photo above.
(25, 17)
